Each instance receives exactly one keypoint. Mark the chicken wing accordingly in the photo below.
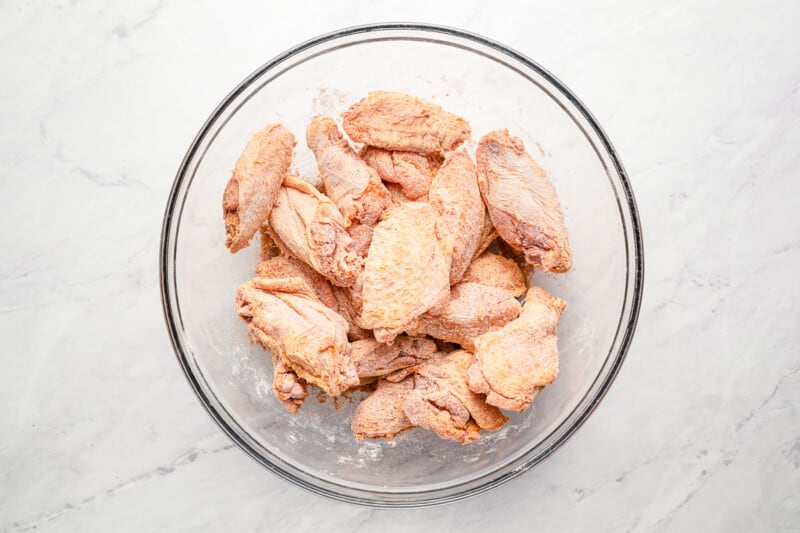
(381, 415)
(399, 122)
(284, 266)
(406, 272)
(513, 363)
(285, 316)
(374, 359)
(496, 271)
(290, 390)
(442, 401)
(254, 183)
(522, 202)
(455, 197)
(309, 226)
(352, 184)
(412, 171)
(399, 197)
(473, 310)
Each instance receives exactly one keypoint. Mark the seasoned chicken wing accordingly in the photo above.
(455, 197)
(290, 390)
(253, 187)
(285, 316)
(522, 202)
(406, 272)
(309, 226)
(374, 359)
(284, 266)
(442, 401)
(411, 171)
(399, 122)
(353, 185)
(381, 415)
(496, 271)
(473, 310)
(513, 363)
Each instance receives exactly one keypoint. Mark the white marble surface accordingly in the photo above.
(99, 430)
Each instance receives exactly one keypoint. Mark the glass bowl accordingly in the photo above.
(491, 86)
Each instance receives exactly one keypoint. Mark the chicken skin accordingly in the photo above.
(381, 415)
(406, 272)
(496, 271)
(473, 310)
(285, 317)
(353, 185)
(350, 308)
(284, 266)
(455, 197)
(254, 183)
(513, 363)
(411, 171)
(399, 122)
(522, 202)
(374, 359)
(442, 401)
(308, 225)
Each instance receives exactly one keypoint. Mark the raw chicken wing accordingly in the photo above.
(442, 401)
(455, 197)
(374, 359)
(352, 184)
(285, 316)
(411, 171)
(522, 202)
(513, 363)
(253, 187)
(406, 272)
(496, 271)
(399, 122)
(309, 226)
(284, 266)
(473, 310)
(381, 415)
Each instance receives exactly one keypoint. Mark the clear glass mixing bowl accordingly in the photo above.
(493, 87)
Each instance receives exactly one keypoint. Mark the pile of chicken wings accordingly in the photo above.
(404, 269)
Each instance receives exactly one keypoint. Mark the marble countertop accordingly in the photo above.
(99, 430)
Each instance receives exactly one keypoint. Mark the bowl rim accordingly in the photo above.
(435, 496)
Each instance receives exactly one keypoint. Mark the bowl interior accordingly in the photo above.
(491, 91)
